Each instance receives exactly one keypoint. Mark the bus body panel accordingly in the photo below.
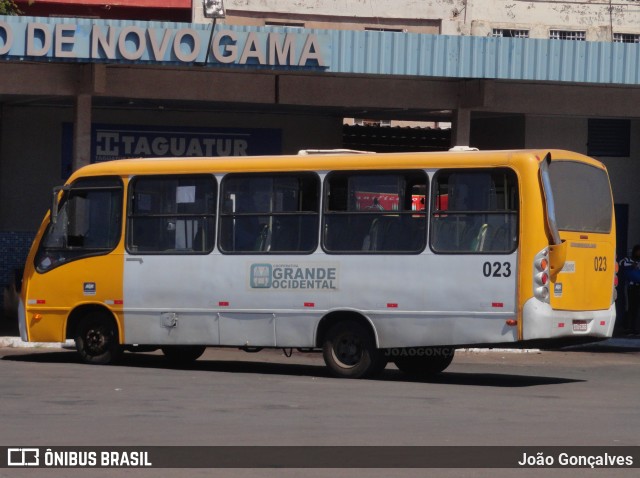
(54, 295)
(543, 322)
(22, 321)
(267, 301)
(586, 280)
(169, 300)
(579, 288)
(585, 222)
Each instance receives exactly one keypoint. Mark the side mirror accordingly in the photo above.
(557, 258)
(54, 202)
(548, 199)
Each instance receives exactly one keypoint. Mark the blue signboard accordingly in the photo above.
(109, 142)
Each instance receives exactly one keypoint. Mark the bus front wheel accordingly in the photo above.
(97, 340)
(350, 351)
(430, 362)
(183, 355)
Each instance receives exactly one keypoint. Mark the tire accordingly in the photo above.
(431, 362)
(183, 355)
(349, 351)
(97, 339)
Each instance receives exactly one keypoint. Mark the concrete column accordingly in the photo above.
(461, 127)
(82, 131)
(92, 80)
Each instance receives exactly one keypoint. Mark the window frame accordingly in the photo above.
(173, 252)
(433, 211)
(568, 35)
(621, 37)
(520, 33)
(63, 202)
(609, 137)
(373, 172)
(312, 175)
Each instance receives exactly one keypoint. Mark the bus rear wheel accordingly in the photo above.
(430, 362)
(97, 340)
(183, 355)
(350, 351)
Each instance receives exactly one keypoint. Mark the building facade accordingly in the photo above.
(590, 20)
(282, 75)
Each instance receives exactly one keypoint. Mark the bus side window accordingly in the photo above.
(171, 214)
(375, 212)
(474, 211)
(265, 213)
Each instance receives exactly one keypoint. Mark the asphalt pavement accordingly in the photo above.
(228, 397)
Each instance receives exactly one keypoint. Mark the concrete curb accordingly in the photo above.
(16, 342)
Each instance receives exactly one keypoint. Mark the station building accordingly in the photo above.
(85, 81)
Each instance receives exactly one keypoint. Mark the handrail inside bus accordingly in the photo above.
(305, 152)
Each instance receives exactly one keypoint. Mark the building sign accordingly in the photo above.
(109, 142)
(153, 42)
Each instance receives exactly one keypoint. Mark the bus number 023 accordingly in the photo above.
(496, 269)
(600, 263)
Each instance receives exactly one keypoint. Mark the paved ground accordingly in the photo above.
(233, 398)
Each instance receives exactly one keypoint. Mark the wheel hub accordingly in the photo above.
(96, 341)
(349, 351)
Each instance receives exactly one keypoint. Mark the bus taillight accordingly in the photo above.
(541, 275)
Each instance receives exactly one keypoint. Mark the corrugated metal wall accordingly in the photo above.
(387, 53)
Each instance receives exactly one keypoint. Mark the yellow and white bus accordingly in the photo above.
(370, 257)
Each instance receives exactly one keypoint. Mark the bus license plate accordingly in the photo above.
(579, 325)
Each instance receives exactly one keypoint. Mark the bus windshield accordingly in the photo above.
(88, 223)
(582, 197)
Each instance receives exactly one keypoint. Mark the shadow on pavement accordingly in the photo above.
(141, 360)
(623, 344)
(601, 349)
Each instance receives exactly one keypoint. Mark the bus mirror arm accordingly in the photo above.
(54, 202)
(557, 258)
(548, 199)
(558, 247)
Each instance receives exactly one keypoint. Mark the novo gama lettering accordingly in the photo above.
(156, 44)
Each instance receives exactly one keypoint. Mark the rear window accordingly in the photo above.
(582, 197)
